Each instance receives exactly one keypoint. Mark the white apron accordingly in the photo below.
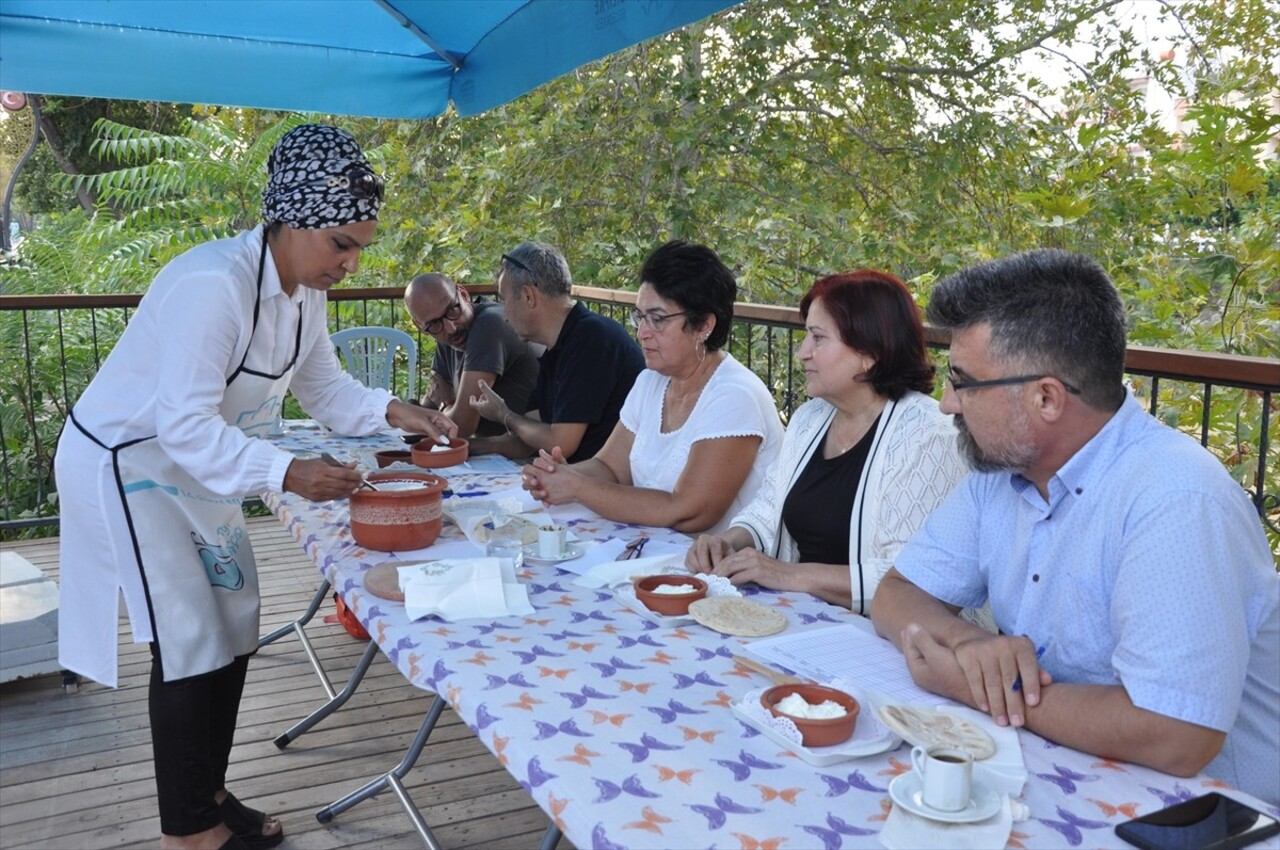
(190, 546)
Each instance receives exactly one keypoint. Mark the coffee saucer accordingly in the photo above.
(907, 792)
(571, 551)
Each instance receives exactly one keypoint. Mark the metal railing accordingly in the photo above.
(51, 345)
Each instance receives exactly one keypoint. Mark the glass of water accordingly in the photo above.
(504, 540)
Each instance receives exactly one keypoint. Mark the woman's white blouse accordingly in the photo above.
(734, 403)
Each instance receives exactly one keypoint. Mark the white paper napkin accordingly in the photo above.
(464, 589)
(905, 831)
(594, 554)
(620, 572)
(518, 494)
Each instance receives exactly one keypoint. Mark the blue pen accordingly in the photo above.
(449, 494)
(1017, 683)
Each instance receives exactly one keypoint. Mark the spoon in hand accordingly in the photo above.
(333, 461)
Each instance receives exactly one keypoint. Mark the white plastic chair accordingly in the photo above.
(369, 354)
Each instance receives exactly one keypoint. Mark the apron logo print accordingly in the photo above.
(258, 422)
(219, 563)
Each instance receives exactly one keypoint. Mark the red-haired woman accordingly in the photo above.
(863, 462)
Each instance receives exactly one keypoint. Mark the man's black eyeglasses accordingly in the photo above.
(507, 258)
(361, 183)
(961, 384)
(451, 313)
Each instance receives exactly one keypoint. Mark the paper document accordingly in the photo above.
(847, 651)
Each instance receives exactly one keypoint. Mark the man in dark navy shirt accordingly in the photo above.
(585, 374)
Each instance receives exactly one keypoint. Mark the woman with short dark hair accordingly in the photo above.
(863, 462)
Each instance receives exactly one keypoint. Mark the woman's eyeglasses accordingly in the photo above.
(361, 183)
(451, 313)
(653, 319)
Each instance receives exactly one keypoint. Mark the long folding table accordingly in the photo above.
(622, 730)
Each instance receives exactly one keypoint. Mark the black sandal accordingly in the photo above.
(246, 824)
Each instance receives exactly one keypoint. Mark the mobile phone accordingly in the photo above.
(1211, 822)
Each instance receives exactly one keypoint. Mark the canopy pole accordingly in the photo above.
(417, 32)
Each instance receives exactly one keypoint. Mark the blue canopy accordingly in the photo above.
(379, 58)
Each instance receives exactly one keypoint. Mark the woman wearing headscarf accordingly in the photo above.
(160, 449)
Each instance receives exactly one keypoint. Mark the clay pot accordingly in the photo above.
(404, 514)
(669, 604)
(814, 732)
(454, 455)
(390, 456)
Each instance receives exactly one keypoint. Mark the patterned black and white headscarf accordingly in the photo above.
(311, 172)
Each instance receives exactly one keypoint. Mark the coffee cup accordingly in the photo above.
(946, 777)
(551, 541)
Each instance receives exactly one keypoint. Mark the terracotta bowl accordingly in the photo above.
(668, 604)
(395, 520)
(454, 455)
(390, 456)
(816, 733)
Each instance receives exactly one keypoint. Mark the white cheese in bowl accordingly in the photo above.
(797, 706)
(400, 485)
(674, 588)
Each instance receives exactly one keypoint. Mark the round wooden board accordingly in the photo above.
(383, 581)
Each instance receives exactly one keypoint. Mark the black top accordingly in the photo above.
(817, 509)
(586, 375)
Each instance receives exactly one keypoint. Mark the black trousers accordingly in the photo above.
(193, 723)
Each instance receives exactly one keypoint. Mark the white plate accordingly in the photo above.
(906, 791)
(627, 596)
(571, 551)
(868, 739)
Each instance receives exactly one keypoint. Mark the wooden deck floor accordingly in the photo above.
(75, 768)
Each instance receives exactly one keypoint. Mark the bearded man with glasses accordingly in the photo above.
(474, 347)
(1129, 575)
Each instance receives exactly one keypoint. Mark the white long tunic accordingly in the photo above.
(167, 377)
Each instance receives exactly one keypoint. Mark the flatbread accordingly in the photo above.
(923, 727)
(527, 528)
(733, 615)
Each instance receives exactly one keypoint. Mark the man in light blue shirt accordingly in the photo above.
(1138, 603)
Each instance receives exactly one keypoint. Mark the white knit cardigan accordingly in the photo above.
(912, 466)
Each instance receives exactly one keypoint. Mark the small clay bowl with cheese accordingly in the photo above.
(673, 602)
(386, 457)
(815, 731)
(431, 455)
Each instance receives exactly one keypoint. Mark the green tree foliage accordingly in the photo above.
(68, 124)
